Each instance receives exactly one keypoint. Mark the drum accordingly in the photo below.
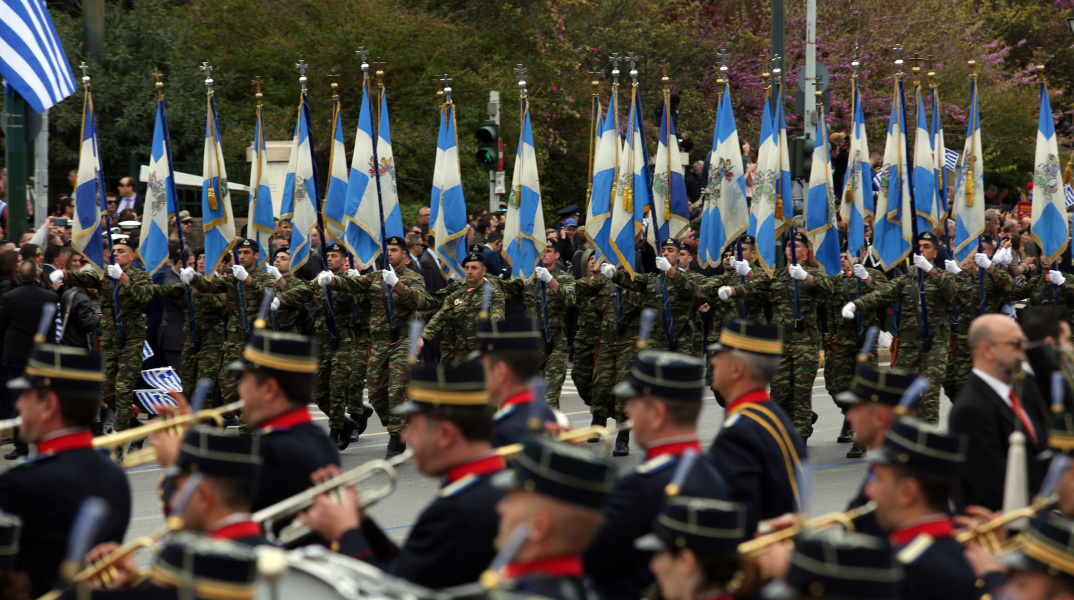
(315, 573)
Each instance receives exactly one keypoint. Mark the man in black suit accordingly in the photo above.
(128, 197)
(171, 334)
(434, 277)
(992, 404)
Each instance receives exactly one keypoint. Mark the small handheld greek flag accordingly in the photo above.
(147, 352)
(155, 400)
(163, 378)
(876, 181)
(59, 319)
(950, 159)
(1069, 195)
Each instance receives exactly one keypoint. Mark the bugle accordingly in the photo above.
(988, 534)
(574, 436)
(758, 545)
(121, 439)
(270, 516)
(7, 424)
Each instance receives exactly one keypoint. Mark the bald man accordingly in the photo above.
(996, 400)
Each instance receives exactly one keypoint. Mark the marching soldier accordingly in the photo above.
(388, 347)
(756, 307)
(792, 388)
(757, 450)
(287, 319)
(1043, 287)
(918, 352)
(461, 310)
(59, 397)
(587, 340)
(121, 348)
(695, 345)
(664, 391)
(449, 430)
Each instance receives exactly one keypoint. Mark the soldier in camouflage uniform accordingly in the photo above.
(792, 388)
(122, 350)
(335, 345)
(387, 368)
(843, 341)
(1039, 290)
(755, 307)
(695, 346)
(462, 308)
(587, 340)
(286, 319)
(559, 293)
(915, 352)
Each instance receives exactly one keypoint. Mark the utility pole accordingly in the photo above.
(779, 34)
(496, 182)
(810, 108)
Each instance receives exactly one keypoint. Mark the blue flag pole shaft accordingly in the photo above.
(112, 261)
(544, 311)
(951, 253)
(1055, 288)
(357, 315)
(981, 277)
(240, 294)
(913, 227)
(797, 291)
(383, 229)
(743, 308)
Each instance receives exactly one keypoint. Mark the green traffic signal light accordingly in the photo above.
(488, 145)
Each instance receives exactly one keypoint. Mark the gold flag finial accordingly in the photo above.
(159, 85)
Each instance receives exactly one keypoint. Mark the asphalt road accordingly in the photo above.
(835, 478)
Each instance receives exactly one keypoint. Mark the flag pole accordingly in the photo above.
(1044, 93)
(614, 58)
(855, 65)
(357, 316)
(516, 196)
(913, 206)
(663, 298)
(363, 55)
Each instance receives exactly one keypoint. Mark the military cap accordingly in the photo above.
(218, 452)
(570, 210)
(928, 236)
(700, 524)
(284, 249)
(750, 336)
(475, 249)
(395, 240)
(560, 471)
(278, 352)
(10, 531)
(664, 374)
(129, 225)
(1061, 432)
(216, 569)
(1046, 547)
(671, 243)
(877, 384)
(746, 238)
(61, 368)
(986, 238)
(799, 238)
(553, 243)
(921, 446)
(501, 336)
(445, 384)
(122, 240)
(847, 565)
(336, 247)
(473, 257)
(246, 243)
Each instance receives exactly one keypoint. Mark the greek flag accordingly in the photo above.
(147, 352)
(447, 206)
(950, 160)
(819, 210)
(969, 202)
(784, 201)
(1049, 218)
(260, 225)
(160, 197)
(32, 59)
(219, 223)
(87, 234)
(524, 234)
(763, 217)
(1069, 195)
(726, 215)
(57, 327)
(605, 162)
(363, 196)
(335, 197)
(892, 231)
(163, 378)
(155, 401)
(857, 196)
(939, 151)
(631, 191)
(670, 202)
(389, 193)
(876, 181)
(926, 200)
(300, 197)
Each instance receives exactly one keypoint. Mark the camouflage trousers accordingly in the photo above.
(326, 395)
(388, 373)
(613, 365)
(932, 364)
(792, 387)
(227, 379)
(122, 368)
(958, 367)
(841, 363)
(585, 357)
(358, 368)
(346, 380)
(204, 363)
(554, 367)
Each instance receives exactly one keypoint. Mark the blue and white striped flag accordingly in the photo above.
(447, 206)
(784, 200)
(856, 197)
(335, 197)
(147, 352)
(32, 59)
(155, 401)
(631, 191)
(763, 214)
(215, 198)
(300, 195)
(160, 201)
(726, 216)
(1069, 195)
(389, 192)
(1049, 218)
(969, 201)
(876, 181)
(926, 199)
(163, 378)
(950, 160)
(892, 228)
(605, 162)
(363, 201)
(87, 232)
(524, 231)
(939, 152)
(820, 214)
(670, 201)
(260, 225)
(57, 327)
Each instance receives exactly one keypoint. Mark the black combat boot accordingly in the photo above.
(622, 443)
(395, 446)
(363, 419)
(349, 427)
(846, 435)
(856, 451)
(598, 421)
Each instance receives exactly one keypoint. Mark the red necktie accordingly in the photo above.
(1016, 404)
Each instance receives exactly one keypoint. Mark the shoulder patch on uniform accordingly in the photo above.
(458, 486)
(655, 464)
(913, 551)
(730, 421)
(503, 412)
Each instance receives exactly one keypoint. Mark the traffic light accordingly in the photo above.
(801, 156)
(488, 145)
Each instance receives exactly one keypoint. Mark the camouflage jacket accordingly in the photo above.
(529, 293)
(370, 287)
(614, 301)
(845, 289)
(756, 307)
(1038, 290)
(253, 291)
(133, 297)
(778, 290)
(941, 290)
(998, 287)
(459, 315)
(210, 311)
(684, 300)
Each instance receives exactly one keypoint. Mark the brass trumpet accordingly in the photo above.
(7, 424)
(121, 439)
(757, 546)
(574, 436)
(270, 516)
(987, 535)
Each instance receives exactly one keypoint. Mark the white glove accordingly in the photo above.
(325, 278)
(56, 276)
(725, 292)
(353, 273)
(663, 264)
(543, 274)
(860, 272)
(114, 271)
(742, 267)
(239, 272)
(275, 304)
(797, 272)
(276, 275)
(1002, 257)
(951, 267)
(982, 260)
(187, 274)
(1056, 277)
(923, 263)
(389, 276)
(607, 270)
(848, 310)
